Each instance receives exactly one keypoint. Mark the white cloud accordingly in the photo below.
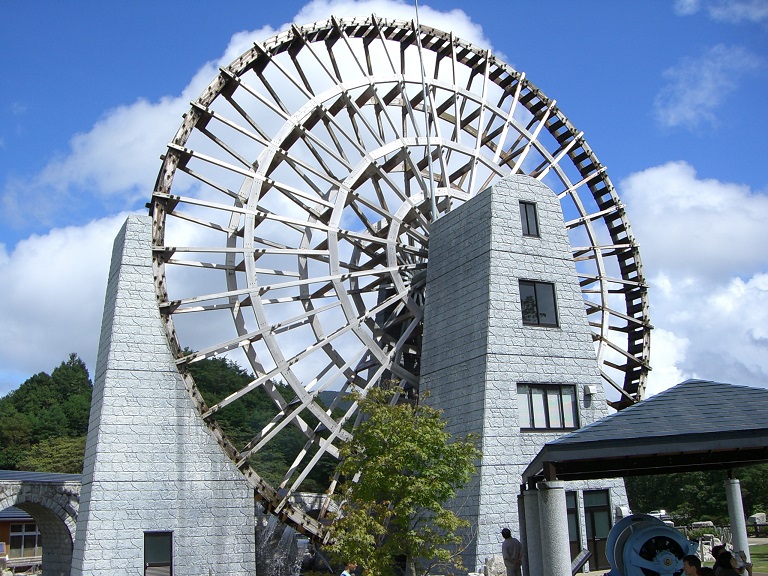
(115, 162)
(687, 7)
(726, 337)
(454, 20)
(698, 87)
(701, 243)
(668, 352)
(733, 11)
(738, 10)
(688, 226)
(119, 152)
(53, 296)
(53, 285)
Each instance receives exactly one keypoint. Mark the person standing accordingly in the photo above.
(348, 571)
(512, 553)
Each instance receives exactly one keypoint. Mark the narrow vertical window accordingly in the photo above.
(158, 553)
(568, 401)
(538, 303)
(554, 408)
(574, 532)
(539, 403)
(528, 219)
(524, 407)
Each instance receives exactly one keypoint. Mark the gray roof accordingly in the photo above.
(698, 424)
(12, 514)
(44, 477)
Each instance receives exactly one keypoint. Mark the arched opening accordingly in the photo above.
(37, 524)
(20, 541)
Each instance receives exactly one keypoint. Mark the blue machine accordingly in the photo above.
(642, 545)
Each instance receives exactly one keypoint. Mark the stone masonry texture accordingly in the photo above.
(54, 507)
(476, 349)
(150, 463)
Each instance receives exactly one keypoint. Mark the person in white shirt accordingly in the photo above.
(512, 553)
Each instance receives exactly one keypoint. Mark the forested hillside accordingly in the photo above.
(696, 496)
(44, 422)
(216, 379)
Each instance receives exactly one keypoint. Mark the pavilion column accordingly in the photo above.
(553, 511)
(736, 515)
(531, 536)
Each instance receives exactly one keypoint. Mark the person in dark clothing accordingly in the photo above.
(691, 564)
(716, 552)
(728, 565)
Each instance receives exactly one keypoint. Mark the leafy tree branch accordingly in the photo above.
(399, 469)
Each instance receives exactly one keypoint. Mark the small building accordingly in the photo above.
(675, 431)
(20, 540)
(37, 508)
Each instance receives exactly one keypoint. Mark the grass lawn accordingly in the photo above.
(759, 556)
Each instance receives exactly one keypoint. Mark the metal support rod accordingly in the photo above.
(431, 192)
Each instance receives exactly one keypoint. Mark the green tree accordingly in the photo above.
(399, 469)
(754, 488)
(15, 429)
(44, 409)
(700, 495)
(242, 420)
(49, 423)
(62, 455)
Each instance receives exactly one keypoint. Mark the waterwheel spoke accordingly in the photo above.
(305, 174)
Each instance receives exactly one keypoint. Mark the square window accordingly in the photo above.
(595, 498)
(528, 219)
(538, 303)
(547, 407)
(24, 541)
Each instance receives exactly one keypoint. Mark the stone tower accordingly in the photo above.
(156, 486)
(508, 354)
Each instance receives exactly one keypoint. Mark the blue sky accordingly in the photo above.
(671, 97)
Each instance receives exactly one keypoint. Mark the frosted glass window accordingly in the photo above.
(538, 401)
(553, 408)
(569, 407)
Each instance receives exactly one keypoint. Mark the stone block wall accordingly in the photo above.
(53, 506)
(476, 349)
(150, 463)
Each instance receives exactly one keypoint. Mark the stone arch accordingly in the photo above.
(54, 508)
